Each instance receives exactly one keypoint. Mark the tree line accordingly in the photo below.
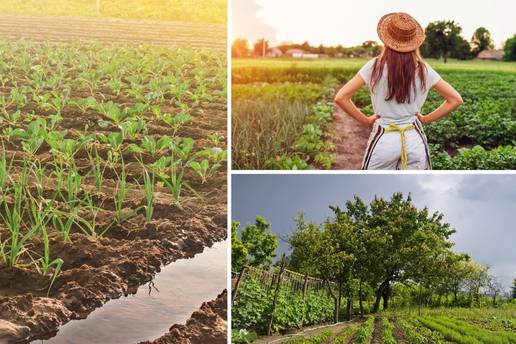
(373, 251)
(444, 40)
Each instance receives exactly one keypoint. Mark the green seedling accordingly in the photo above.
(204, 170)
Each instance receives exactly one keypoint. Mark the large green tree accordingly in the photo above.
(256, 245)
(400, 239)
(513, 291)
(481, 40)
(509, 49)
(442, 38)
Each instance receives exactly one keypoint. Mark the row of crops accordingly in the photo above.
(479, 135)
(394, 329)
(282, 125)
(98, 140)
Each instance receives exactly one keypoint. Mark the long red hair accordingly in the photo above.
(401, 73)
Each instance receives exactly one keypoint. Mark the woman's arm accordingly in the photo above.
(343, 99)
(452, 101)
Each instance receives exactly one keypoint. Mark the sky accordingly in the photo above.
(481, 208)
(351, 22)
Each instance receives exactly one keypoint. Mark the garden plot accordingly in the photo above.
(112, 164)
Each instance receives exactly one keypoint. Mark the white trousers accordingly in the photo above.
(384, 150)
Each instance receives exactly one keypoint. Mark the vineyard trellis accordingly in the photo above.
(279, 279)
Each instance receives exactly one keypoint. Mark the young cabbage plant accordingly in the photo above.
(204, 170)
(171, 170)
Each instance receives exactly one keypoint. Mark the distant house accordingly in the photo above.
(300, 54)
(295, 53)
(274, 52)
(492, 55)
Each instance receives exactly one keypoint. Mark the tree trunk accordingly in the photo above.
(360, 299)
(336, 313)
(349, 308)
(386, 295)
(340, 297)
(379, 294)
(445, 56)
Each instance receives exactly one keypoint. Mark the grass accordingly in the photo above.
(209, 11)
(263, 130)
(357, 63)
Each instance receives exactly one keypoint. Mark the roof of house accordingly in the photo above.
(491, 54)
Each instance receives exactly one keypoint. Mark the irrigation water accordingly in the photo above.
(177, 291)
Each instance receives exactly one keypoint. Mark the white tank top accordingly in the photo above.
(392, 112)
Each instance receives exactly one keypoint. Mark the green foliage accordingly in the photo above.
(442, 39)
(481, 40)
(476, 158)
(388, 336)
(242, 336)
(253, 307)
(255, 246)
(513, 288)
(317, 339)
(365, 331)
(509, 49)
(345, 335)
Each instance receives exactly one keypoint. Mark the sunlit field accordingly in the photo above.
(210, 11)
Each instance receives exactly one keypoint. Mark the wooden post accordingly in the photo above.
(98, 7)
(237, 285)
(276, 294)
(305, 289)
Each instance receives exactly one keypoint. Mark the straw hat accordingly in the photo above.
(400, 32)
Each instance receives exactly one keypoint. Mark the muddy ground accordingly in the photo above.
(206, 325)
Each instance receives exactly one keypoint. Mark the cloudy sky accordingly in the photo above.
(482, 208)
(351, 22)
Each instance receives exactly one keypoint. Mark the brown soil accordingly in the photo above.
(106, 30)
(377, 336)
(130, 253)
(206, 325)
(399, 335)
(350, 141)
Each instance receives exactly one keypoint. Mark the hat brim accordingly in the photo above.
(395, 44)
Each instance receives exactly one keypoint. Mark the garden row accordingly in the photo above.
(282, 125)
(414, 330)
(479, 135)
(111, 164)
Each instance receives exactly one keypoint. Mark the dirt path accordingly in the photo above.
(399, 335)
(377, 336)
(310, 331)
(107, 30)
(350, 141)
